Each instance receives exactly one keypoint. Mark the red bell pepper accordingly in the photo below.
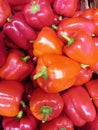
(19, 31)
(17, 66)
(62, 122)
(38, 13)
(92, 87)
(84, 76)
(66, 8)
(47, 42)
(18, 2)
(81, 48)
(91, 14)
(10, 97)
(72, 26)
(55, 73)
(3, 51)
(78, 105)
(5, 11)
(24, 120)
(92, 125)
(45, 106)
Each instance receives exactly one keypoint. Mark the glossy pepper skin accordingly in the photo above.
(92, 87)
(84, 76)
(78, 105)
(45, 106)
(72, 26)
(23, 121)
(5, 11)
(62, 122)
(92, 125)
(38, 13)
(82, 49)
(91, 14)
(47, 42)
(66, 8)
(19, 31)
(55, 73)
(3, 51)
(17, 66)
(10, 97)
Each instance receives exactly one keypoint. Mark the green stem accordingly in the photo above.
(23, 104)
(63, 129)
(19, 115)
(25, 59)
(45, 111)
(8, 19)
(42, 73)
(84, 66)
(31, 41)
(35, 8)
(70, 40)
(54, 27)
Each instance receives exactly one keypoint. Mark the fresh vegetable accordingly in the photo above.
(78, 105)
(18, 31)
(46, 106)
(38, 13)
(55, 73)
(10, 97)
(17, 66)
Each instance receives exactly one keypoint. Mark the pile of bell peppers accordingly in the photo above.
(48, 65)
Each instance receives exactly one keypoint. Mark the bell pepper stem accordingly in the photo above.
(70, 40)
(25, 59)
(54, 27)
(63, 129)
(23, 103)
(35, 8)
(84, 66)
(42, 73)
(19, 115)
(45, 111)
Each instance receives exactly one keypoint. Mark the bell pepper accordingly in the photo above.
(47, 42)
(38, 13)
(5, 11)
(91, 14)
(55, 73)
(84, 76)
(92, 87)
(92, 125)
(18, 2)
(62, 122)
(66, 8)
(10, 97)
(3, 51)
(19, 31)
(17, 66)
(78, 105)
(73, 26)
(81, 48)
(24, 120)
(45, 106)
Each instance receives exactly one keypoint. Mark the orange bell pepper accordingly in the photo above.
(55, 73)
(47, 42)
